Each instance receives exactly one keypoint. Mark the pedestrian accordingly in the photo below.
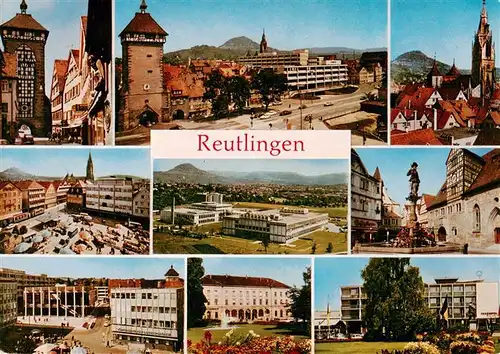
(270, 126)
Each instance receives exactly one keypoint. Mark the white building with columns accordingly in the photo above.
(245, 299)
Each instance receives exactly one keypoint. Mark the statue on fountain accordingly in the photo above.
(414, 181)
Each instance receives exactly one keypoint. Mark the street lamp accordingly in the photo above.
(387, 235)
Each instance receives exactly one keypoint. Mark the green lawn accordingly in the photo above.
(332, 212)
(196, 334)
(172, 244)
(357, 347)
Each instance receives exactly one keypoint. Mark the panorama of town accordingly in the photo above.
(73, 215)
(257, 212)
(461, 216)
(251, 311)
(260, 88)
(45, 314)
(446, 105)
(454, 307)
(74, 106)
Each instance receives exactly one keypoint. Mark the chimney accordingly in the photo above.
(409, 104)
(435, 119)
(172, 214)
(415, 120)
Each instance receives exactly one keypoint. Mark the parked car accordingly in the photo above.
(328, 104)
(285, 113)
(356, 336)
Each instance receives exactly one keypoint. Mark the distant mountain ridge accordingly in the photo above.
(190, 174)
(414, 66)
(16, 174)
(240, 46)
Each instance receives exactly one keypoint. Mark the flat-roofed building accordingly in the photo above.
(276, 59)
(315, 76)
(189, 216)
(8, 303)
(112, 195)
(243, 298)
(282, 225)
(148, 311)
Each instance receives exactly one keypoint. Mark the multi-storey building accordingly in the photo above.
(8, 92)
(391, 217)
(113, 195)
(467, 209)
(62, 188)
(243, 298)
(148, 311)
(8, 303)
(141, 202)
(282, 225)
(25, 280)
(58, 300)
(76, 195)
(57, 92)
(308, 77)
(142, 52)
(33, 197)
(50, 194)
(11, 202)
(476, 299)
(366, 201)
(25, 38)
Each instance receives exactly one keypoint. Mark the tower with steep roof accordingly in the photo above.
(142, 54)
(25, 38)
(434, 77)
(263, 42)
(89, 176)
(483, 56)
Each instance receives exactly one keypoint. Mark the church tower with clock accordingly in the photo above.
(25, 39)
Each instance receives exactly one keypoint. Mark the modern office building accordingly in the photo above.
(283, 225)
(328, 75)
(243, 298)
(275, 59)
(25, 280)
(8, 303)
(462, 296)
(148, 311)
(59, 300)
(112, 195)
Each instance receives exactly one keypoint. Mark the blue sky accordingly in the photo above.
(330, 273)
(60, 17)
(394, 163)
(55, 162)
(109, 267)
(443, 27)
(289, 25)
(284, 269)
(305, 167)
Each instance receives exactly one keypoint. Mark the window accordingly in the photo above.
(477, 218)
(26, 84)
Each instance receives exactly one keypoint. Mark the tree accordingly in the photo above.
(313, 248)
(216, 93)
(239, 91)
(329, 249)
(300, 298)
(395, 307)
(266, 240)
(196, 298)
(270, 85)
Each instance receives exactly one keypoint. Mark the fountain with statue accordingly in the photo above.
(411, 239)
(224, 324)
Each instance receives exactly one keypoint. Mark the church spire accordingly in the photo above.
(143, 6)
(23, 6)
(263, 42)
(90, 168)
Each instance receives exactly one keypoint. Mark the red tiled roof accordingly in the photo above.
(230, 280)
(24, 21)
(434, 71)
(76, 54)
(416, 137)
(490, 173)
(145, 24)
(84, 20)
(453, 71)
(416, 100)
(449, 93)
(46, 184)
(427, 198)
(495, 115)
(5, 183)
(377, 175)
(440, 198)
(391, 214)
(23, 185)
(61, 67)
(176, 78)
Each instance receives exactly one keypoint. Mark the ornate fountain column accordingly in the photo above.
(413, 197)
